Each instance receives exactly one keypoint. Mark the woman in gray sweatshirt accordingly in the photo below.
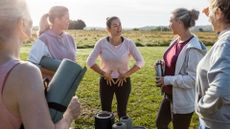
(213, 72)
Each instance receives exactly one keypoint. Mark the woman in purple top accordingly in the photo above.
(180, 61)
(114, 52)
(53, 41)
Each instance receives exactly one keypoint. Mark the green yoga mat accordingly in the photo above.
(49, 63)
(63, 87)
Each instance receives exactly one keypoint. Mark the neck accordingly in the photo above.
(185, 35)
(4, 57)
(115, 40)
(225, 27)
(57, 30)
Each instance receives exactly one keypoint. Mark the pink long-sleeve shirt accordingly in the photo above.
(115, 59)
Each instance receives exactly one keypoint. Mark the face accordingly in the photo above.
(26, 29)
(174, 24)
(211, 14)
(116, 28)
(63, 22)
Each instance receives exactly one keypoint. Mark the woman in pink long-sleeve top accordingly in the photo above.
(114, 52)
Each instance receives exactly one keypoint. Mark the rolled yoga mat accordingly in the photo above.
(119, 125)
(127, 121)
(50, 63)
(63, 87)
(104, 120)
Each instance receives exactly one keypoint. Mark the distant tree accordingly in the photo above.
(201, 29)
(78, 25)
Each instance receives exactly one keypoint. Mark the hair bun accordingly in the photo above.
(194, 14)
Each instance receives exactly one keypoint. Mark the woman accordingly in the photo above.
(114, 51)
(178, 83)
(53, 41)
(213, 72)
(22, 99)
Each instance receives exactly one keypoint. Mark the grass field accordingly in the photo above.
(144, 99)
(87, 38)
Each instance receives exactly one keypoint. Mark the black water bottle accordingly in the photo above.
(159, 68)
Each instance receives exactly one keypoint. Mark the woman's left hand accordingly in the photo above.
(122, 78)
(159, 81)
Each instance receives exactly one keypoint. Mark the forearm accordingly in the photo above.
(64, 123)
(97, 69)
(132, 70)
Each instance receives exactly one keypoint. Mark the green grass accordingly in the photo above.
(87, 38)
(144, 99)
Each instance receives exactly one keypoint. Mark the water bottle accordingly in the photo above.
(159, 68)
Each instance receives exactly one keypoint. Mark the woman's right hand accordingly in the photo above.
(108, 78)
(73, 109)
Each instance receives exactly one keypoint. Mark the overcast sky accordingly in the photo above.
(133, 13)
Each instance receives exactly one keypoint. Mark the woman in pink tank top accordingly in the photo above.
(22, 99)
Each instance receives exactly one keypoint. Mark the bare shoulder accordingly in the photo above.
(25, 75)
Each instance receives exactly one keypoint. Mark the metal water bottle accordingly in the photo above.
(159, 68)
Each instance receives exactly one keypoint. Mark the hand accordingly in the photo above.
(73, 109)
(122, 78)
(159, 81)
(108, 78)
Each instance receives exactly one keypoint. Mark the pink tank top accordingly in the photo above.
(7, 119)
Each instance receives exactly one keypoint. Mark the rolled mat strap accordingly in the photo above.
(57, 106)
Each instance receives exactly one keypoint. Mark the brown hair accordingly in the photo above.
(10, 12)
(54, 12)
(109, 21)
(224, 6)
(188, 17)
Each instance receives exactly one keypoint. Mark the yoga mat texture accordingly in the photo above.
(63, 87)
(49, 63)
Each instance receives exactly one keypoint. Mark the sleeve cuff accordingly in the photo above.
(168, 80)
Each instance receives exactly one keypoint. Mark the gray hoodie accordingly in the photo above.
(183, 82)
(213, 85)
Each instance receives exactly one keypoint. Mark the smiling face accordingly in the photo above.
(115, 28)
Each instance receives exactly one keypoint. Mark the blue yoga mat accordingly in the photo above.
(50, 63)
(63, 87)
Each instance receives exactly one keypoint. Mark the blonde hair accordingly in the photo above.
(188, 17)
(10, 12)
(48, 19)
(224, 6)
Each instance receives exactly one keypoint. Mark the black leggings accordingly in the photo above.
(164, 117)
(122, 95)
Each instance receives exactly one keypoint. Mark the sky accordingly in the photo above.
(132, 13)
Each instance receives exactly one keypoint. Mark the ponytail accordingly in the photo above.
(44, 24)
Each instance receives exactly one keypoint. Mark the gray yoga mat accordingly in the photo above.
(50, 63)
(63, 87)
(119, 125)
(127, 120)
